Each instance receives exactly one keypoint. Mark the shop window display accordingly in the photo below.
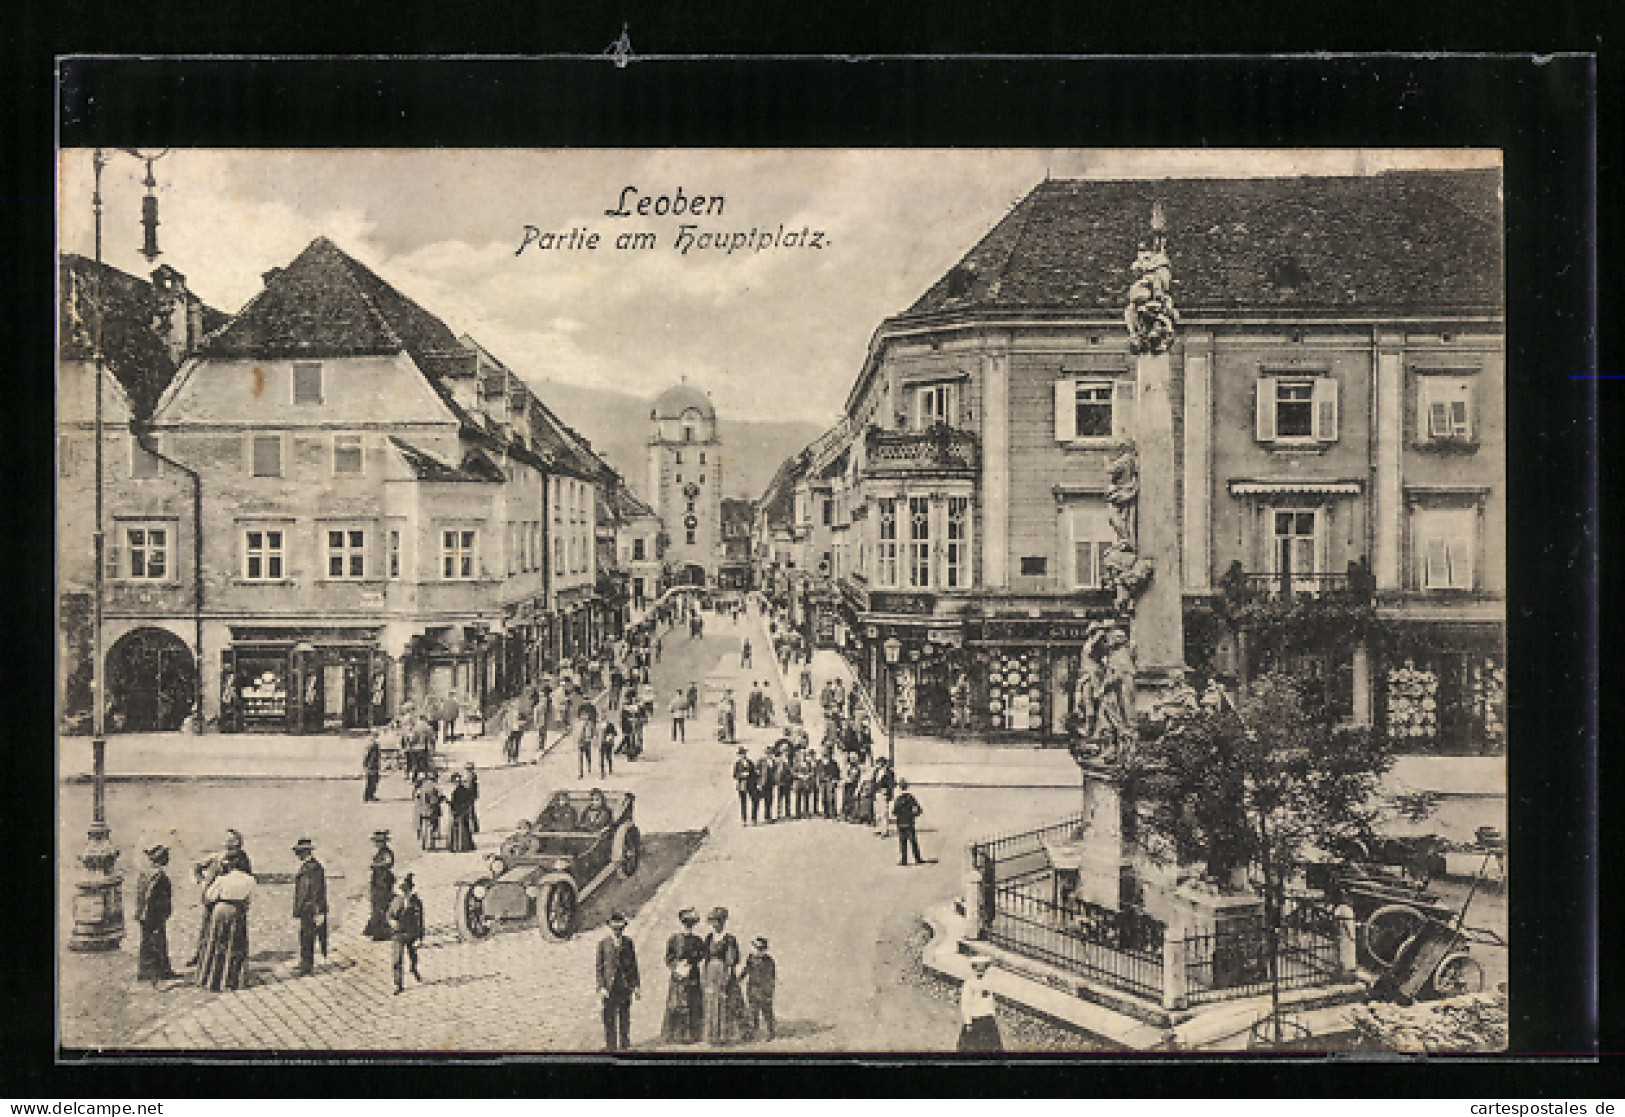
(1014, 689)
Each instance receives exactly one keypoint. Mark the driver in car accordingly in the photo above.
(559, 814)
(596, 815)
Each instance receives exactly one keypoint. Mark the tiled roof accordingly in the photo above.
(1393, 243)
(135, 353)
(476, 465)
(628, 505)
(327, 304)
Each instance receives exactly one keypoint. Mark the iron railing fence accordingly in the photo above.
(1121, 949)
(1022, 853)
(1233, 961)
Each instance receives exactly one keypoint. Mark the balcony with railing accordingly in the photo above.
(940, 451)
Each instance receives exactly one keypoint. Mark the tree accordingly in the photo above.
(1256, 782)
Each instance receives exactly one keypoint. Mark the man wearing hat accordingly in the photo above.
(406, 931)
(745, 783)
(309, 904)
(617, 983)
(471, 780)
(381, 888)
(761, 975)
(372, 764)
(153, 903)
(205, 873)
(906, 809)
(586, 739)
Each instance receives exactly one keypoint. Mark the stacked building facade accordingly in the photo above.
(319, 510)
(1339, 456)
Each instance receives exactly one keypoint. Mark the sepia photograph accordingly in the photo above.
(724, 603)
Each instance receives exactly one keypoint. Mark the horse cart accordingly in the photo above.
(549, 865)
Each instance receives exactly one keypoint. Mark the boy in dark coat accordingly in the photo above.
(760, 976)
(406, 931)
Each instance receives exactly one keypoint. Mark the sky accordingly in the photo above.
(779, 333)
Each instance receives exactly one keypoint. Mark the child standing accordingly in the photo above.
(761, 975)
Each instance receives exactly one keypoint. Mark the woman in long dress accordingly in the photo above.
(461, 839)
(427, 798)
(723, 1001)
(225, 949)
(685, 958)
(381, 888)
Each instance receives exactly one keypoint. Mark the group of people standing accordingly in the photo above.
(431, 805)
(226, 881)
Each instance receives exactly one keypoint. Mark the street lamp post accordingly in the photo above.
(894, 650)
(98, 903)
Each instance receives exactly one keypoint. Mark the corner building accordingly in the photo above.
(1338, 383)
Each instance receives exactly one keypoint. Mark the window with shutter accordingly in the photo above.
(1264, 409)
(1065, 410)
(1125, 403)
(1325, 393)
(1090, 533)
(1445, 541)
(1445, 408)
(1295, 409)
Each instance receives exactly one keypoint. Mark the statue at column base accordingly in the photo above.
(1104, 697)
(1128, 575)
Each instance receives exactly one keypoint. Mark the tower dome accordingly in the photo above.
(679, 399)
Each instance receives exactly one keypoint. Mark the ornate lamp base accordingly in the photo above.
(98, 907)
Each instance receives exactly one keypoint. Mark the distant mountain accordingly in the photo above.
(617, 425)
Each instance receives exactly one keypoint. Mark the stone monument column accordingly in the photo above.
(1157, 625)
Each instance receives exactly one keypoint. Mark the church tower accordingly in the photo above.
(685, 482)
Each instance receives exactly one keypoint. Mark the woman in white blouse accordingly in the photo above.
(979, 1030)
(224, 956)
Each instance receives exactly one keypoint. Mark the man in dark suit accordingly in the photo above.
(907, 811)
(372, 763)
(309, 903)
(617, 983)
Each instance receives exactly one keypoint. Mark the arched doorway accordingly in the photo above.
(151, 681)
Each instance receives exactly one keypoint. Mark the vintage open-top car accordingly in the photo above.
(551, 863)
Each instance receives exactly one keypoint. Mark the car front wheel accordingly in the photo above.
(559, 909)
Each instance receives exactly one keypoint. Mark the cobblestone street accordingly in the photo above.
(842, 917)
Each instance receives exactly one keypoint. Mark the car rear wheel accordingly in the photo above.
(628, 849)
(1389, 929)
(472, 922)
(559, 909)
(1457, 975)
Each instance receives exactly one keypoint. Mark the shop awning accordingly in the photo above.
(1351, 487)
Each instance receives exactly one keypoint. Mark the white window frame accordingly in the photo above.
(459, 553)
(887, 546)
(1322, 401)
(254, 441)
(1098, 538)
(349, 441)
(122, 560)
(1316, 540)
(956, 548)
(1445, 411)
(936, 403)
(918, 554)
(321, 384)
(271, 552)
(1445, 562)
(1118, 397)
(351, 552)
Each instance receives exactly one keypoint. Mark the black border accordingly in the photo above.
(1540, 112)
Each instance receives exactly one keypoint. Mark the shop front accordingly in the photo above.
(454, 661)
(303, 681)
(1019, 674)
(1442, 688)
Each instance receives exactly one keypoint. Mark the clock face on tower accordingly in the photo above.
(691, 490)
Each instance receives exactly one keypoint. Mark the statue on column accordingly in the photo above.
(1150, 315)
(1124, 570)
(1103, 697)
